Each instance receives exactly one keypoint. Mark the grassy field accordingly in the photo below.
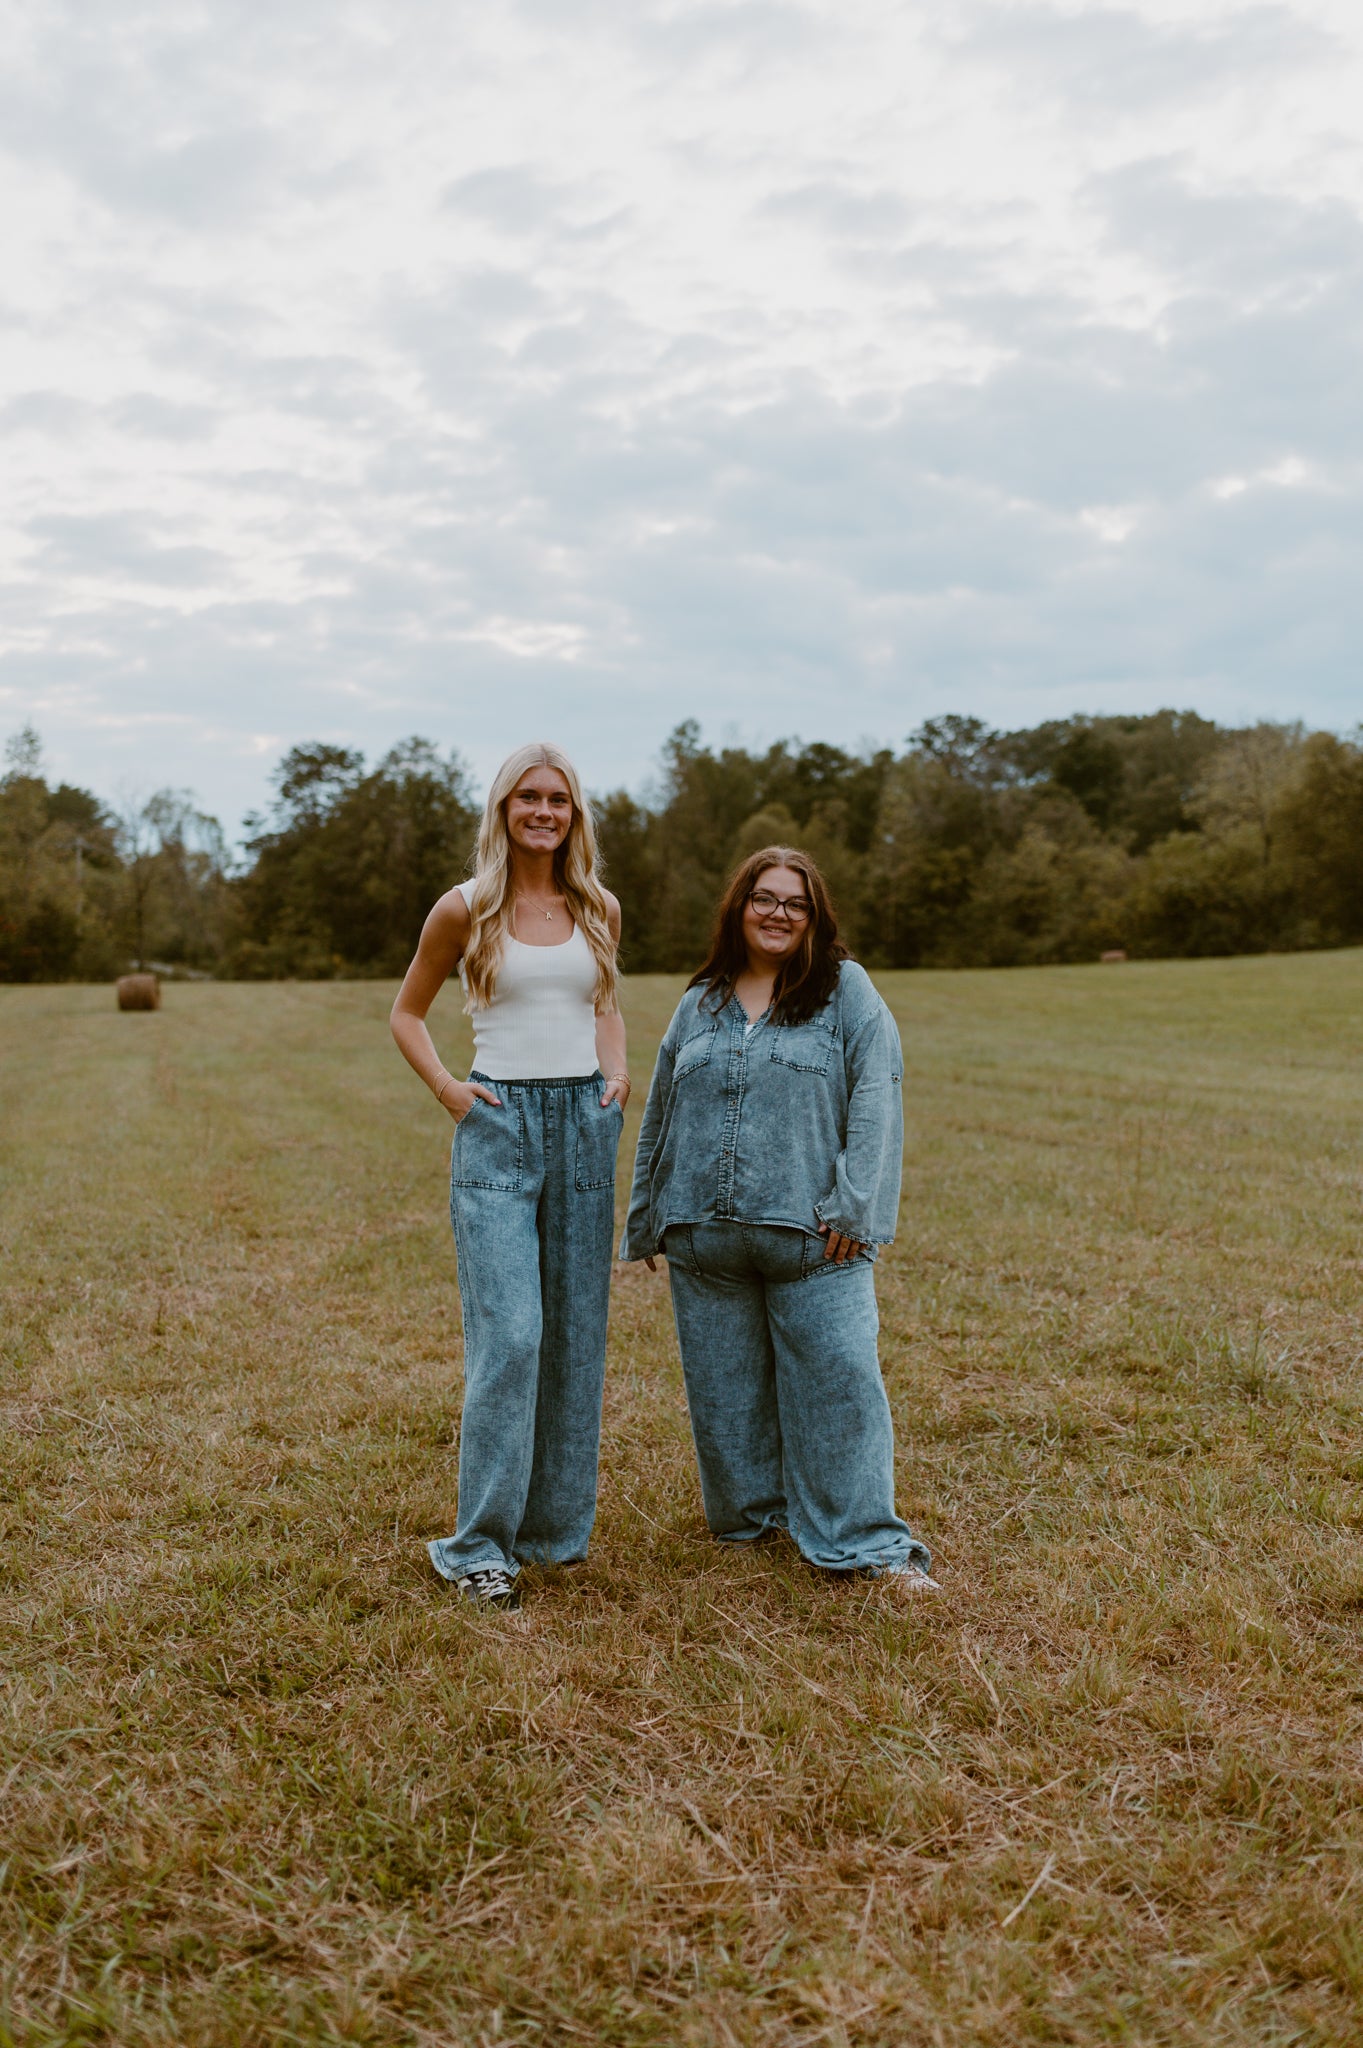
(262, 1781)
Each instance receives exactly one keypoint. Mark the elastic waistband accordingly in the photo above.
(556, 1081)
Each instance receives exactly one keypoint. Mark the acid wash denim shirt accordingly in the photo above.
(798, 1124)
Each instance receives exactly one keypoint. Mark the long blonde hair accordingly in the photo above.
(491, 904)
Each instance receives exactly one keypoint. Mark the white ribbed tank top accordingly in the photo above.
(541, 1023)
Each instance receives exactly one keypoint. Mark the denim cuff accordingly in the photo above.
(846, 1228)
(631, 1249)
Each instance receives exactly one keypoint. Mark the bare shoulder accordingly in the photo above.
(444, 936)
(449, 918)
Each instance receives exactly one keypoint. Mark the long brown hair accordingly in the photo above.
(808, 978)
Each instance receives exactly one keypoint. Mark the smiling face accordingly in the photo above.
(771, 933)
(539, 811)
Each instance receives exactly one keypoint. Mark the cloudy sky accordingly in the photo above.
(569, 369)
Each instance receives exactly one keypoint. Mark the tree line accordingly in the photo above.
(1162, 835)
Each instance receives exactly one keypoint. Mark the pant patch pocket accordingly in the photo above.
(677, 1249)
(489, 1148)
(814, 1261)
(598, 1141)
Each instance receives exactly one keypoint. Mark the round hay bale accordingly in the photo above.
(1112, 956)
(139, 992)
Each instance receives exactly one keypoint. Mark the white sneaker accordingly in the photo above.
(908, 1582)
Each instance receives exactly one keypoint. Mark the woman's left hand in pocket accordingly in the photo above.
(839, 1248)
(617, 1090)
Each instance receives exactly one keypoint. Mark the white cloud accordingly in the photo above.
(1112, 523)
(482, 371)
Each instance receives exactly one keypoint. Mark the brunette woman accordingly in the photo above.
(768, 1174)
(532, 1171)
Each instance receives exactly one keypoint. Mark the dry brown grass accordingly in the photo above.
(263, 1782)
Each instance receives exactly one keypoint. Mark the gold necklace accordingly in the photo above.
(548, 915)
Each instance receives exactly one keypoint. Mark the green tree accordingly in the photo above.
(342, 875)
(1194, 895)
(1245, 780)
(946, 806)
(1057, 893)
(1135, 776)
(1318, 825)
(627, 851)
(57, 861)
(175, 905)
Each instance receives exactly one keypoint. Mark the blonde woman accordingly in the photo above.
(532, 1171)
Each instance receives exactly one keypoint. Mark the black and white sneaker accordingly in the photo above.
(489, 1586)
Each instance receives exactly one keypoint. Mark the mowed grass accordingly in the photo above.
(263, 1781)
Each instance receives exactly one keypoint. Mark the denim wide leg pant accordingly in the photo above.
(532, 1201)
(788, 1409)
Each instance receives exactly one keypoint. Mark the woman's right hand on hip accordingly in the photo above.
(460, 1097)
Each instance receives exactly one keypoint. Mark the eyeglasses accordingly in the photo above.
(797, 908)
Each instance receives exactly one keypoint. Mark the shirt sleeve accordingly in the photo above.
(637, 1242)
(863, 1202)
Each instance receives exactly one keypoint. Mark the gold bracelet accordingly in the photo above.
(620, 1077)
(440, 1091)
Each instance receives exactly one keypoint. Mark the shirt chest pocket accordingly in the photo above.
(694, 1053)
(808, 1047)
